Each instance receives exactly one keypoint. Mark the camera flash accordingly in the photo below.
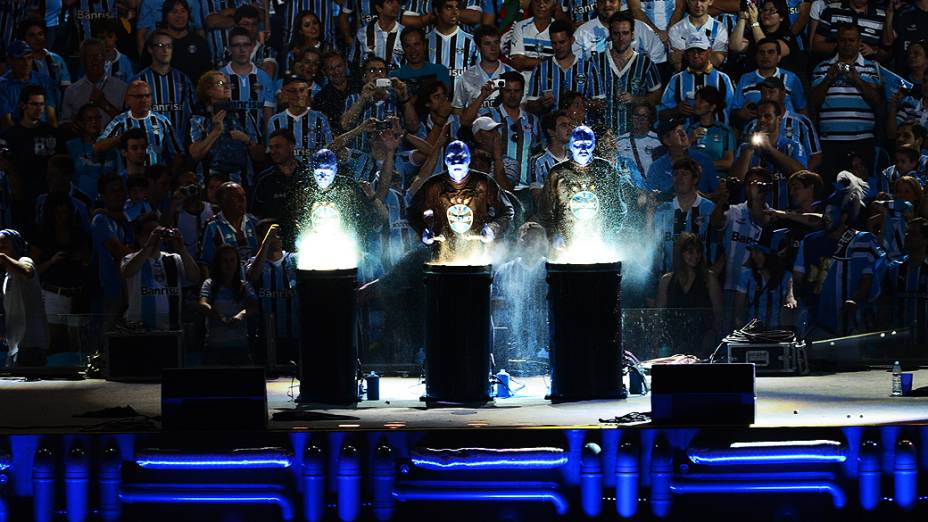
(757, 139)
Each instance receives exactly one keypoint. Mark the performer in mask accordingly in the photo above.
(328, 202)
(583, 196)
(459, 205)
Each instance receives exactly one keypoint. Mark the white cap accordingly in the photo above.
(697, 40)
(484, 123)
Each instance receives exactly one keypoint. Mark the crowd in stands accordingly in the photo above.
(775, 151)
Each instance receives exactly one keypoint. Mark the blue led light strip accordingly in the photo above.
(469, 495)
(761, 486)
(241, 459)
(488, 458)
(760, 453)
(211, 494)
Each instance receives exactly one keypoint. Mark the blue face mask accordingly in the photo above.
(457, 160)
(581, 145)
(325, 165)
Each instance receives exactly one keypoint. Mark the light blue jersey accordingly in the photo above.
(670, 221)
(277, 294)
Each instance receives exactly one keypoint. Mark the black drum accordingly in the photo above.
(457, 333)
(329, 346)
(585, 329)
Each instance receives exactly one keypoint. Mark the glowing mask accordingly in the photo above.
(581, 145)
(325, 165)
(457, 160)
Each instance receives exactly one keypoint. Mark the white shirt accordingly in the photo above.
(715, 31)
(593, 37)
(527, 40)
(646, 145)
(467, 87)
(155, 288)
(26, 322)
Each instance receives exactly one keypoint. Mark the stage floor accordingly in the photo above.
(843, 399)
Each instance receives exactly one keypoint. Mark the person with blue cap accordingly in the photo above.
(26, 325)
(20, 74)
(459, 205)
(583, 196)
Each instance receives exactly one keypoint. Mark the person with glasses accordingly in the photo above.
(191, 52)
(252, 98)
(163, 142)
(21, 74)
(31, 142)
(640, 143)
(95, 87)
(264, 56)
(330, 100)
(218, 137)
(310, 128)
(172, 91)
(379, 103)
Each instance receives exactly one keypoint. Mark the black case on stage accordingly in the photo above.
(787, 358)
(702, 394)
(214, 398)
(141, 356)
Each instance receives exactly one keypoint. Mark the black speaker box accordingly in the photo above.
(702, 394)
(213, 399)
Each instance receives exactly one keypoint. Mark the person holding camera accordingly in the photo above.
(767, 148)
(380, 98)
(848, 93)
(477, 78)
(154, 278)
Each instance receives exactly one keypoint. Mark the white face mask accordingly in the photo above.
(581, 145)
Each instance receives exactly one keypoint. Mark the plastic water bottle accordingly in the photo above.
(897, 379)
(373, 386)
(502, 385)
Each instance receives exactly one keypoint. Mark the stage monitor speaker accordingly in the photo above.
(213, 399)
(702, 394)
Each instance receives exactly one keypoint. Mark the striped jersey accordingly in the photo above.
(326, 11)
(748, 91)
(277, 294)
(311, 130)
(220, 232)
(778, 195)
(11, 14)
(526, 40)
(581, 76)
(85, 12)
(172, 95)
(797, 127)
(764, 299)
(227, 155)
(907, 284)
(870, 23)
(844, 114)
(155, 291)
(380, 109)
(580, 11)
(372, 39)
(659, 12)
(119, 67)
(895, 225)
(163, 142)
(251, 93)
(832, 270)
(217, 39)
(639, 149)
(399, 238)
(639, 77)
(363, 12)
(683, 85)
(528, 128)
(541, 165)
(885, 181)
(714, 30)
(456, 51)
(670, 221)
(738, 232)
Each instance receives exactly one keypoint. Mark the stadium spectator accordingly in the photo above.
(33, 140)
(561, 72)
(95, 87)
(88, 165)
(25, 323)
(330, 100)
(419, 68)
(677, 146)
(380, 37)
(447, 44)
(163, 143)
(112, 236)
(640, 143)
(489, 68)
(680, 94)
(33, 32)
(748, 93)
(231, 226)
(227, 302)
(172, 91)
(21, 74)
(192, 53)
(765, 289)
(697, 20)
(707, 133)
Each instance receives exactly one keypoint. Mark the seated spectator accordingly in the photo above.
(697, 20)
(530, 39)
(793, 125)
(20, 75)
(768, 149)
(227, 301)
(33, 140)
(272, 273)
(640, 143)
(686, 212)
(691, 290)
(33, 32)
(26, 326)
(680, 94)
(95, 87)
(557, 128)
(89, 166)
(218, 138)
(838, 269)
(847, 91)
(771, 24)
(62, 256)
(111, 236)
(707, 133)
(116, 65)
(477, 79)
(154, 279)
(418, 69)
(330, 100)
(232, 226)
(765, 289)
(677, 146)
(748, 93)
